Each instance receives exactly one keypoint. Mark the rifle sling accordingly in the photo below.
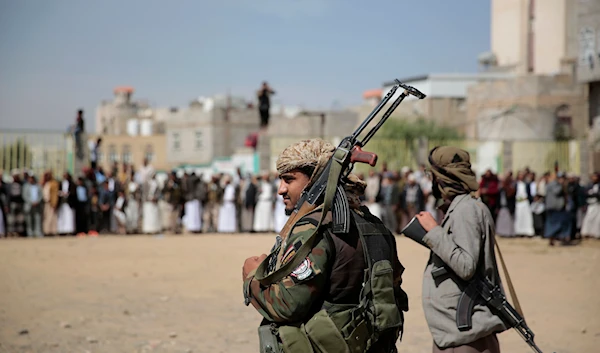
(305, 249)
(511, 289)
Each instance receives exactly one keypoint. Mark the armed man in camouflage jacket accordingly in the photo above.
(322, 303)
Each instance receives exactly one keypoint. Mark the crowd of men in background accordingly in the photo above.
(127, 201)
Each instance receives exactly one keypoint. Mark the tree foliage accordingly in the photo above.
(403, 142)
(408, 130)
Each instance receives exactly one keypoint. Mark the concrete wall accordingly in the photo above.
(588, 68)
(138, 146)
(190, 143)
(301, 126)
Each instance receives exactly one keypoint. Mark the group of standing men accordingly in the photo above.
(224, 204)
(328, 290)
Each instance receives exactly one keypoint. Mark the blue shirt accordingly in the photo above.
(100, 178)
(81, 194)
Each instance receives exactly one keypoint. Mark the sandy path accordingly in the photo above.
(183, 294)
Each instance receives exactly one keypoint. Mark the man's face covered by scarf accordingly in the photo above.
(452, 173)
(435, 189)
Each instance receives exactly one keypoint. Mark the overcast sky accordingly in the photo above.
(59, 55)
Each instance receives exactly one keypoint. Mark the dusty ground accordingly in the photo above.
(183, 294)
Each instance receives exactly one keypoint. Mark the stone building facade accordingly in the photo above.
(527, 107)
(588, 71)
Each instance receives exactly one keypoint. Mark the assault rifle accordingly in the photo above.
(328, 189)
(348, 152)
(496, 301)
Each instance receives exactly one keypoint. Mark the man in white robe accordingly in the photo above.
(263, 213)
(66, 214)
(227, 212)
(591, 222)
(523, 213)
(151, 221)
(194, 193)
(145, 173)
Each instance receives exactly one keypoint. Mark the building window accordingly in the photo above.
(461, 105)
(113, 156)
(149, 153)
(176, 141)
(198, 140)
(564, 123)
(126, 155)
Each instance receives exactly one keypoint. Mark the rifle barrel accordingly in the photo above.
(374, 112)
(385, 116)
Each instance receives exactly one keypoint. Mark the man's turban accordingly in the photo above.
(451, 167)
(314, 154)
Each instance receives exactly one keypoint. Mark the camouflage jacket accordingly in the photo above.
(292, 298)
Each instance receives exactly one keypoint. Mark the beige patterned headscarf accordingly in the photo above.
(315, 153)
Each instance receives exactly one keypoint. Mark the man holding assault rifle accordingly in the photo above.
(463, 298)
(332, 281)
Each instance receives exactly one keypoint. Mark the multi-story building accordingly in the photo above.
(199, 135)
(130, 132)
(525, 92)
(535, 37)
(588, 70)
(536, 41)
(123, 115)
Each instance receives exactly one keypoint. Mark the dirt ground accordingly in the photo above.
(184, 294)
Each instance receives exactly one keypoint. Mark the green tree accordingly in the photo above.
(399, 141)
(408, 130)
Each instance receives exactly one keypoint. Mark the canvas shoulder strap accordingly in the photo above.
(511, 289)
(306, 247)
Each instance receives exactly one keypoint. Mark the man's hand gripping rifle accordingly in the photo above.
(328, 188)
